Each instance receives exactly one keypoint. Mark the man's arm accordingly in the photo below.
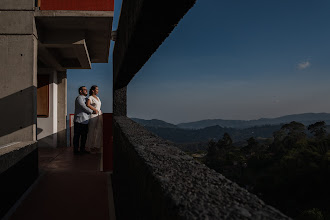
(83, 105)
(88, 104)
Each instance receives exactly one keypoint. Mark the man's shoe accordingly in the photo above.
(85, 152)
(76, 153)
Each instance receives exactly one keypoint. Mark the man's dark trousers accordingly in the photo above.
(80, 132)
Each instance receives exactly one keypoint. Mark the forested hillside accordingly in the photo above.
(291, 173)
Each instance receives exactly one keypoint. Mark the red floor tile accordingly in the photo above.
(69, 187)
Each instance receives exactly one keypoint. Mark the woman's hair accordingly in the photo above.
(91, 90)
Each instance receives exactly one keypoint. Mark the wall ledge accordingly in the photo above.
(12, 153)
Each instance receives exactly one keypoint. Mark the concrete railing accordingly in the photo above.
(155, 180)
(18, 170)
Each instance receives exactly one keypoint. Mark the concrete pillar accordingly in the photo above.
(18, 71)
(61, 109)
(120, 102)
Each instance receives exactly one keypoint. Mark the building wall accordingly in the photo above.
(17, 5)
(47, 127)
(83, 5)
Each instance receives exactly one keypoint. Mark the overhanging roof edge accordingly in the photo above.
(70, 13)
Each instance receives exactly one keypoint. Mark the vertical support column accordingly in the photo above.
(53, 107)
(18, 72)
(120, 102)
(107, 161)
(61, 109)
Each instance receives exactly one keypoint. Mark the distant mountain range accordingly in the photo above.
(154, 123)
(194, 136)
(180, 136)
(306, 119)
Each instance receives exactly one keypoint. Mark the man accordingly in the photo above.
(81, 119)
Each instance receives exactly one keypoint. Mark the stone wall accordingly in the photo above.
(155, 180)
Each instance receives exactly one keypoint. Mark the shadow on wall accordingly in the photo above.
(64, 138)
(17, 114)
(59, 139)
(19, 110)
(16, 111)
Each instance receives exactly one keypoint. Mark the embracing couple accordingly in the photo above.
(88, 123)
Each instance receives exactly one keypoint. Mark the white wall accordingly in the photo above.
(47, 127)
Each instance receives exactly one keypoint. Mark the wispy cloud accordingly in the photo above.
(304, 65)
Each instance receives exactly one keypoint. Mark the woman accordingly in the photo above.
(95, 126)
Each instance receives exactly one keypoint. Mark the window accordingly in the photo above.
(43, 96)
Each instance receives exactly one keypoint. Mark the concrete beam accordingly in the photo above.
(51, 38)
(82, 54)
(48, 58)
(143, 26)
(98, 43)
(95, 28)
(72, 47)
(43, 71)
(60, 13)
(20, 5)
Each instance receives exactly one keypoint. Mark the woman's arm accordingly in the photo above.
(88, 104)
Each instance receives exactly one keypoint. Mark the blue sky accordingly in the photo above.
(232, 59)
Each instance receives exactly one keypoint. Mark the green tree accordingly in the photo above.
(212, 149)
(252, 142)
(294, 128)
(251, 147)
(295, 135)
(279, 135)
(311, 214)
(318, 129)
(226, 141)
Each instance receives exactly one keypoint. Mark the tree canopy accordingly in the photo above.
(291, 171)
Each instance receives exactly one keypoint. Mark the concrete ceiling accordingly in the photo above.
(142, 28)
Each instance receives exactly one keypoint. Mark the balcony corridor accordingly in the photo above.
(68, 187)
